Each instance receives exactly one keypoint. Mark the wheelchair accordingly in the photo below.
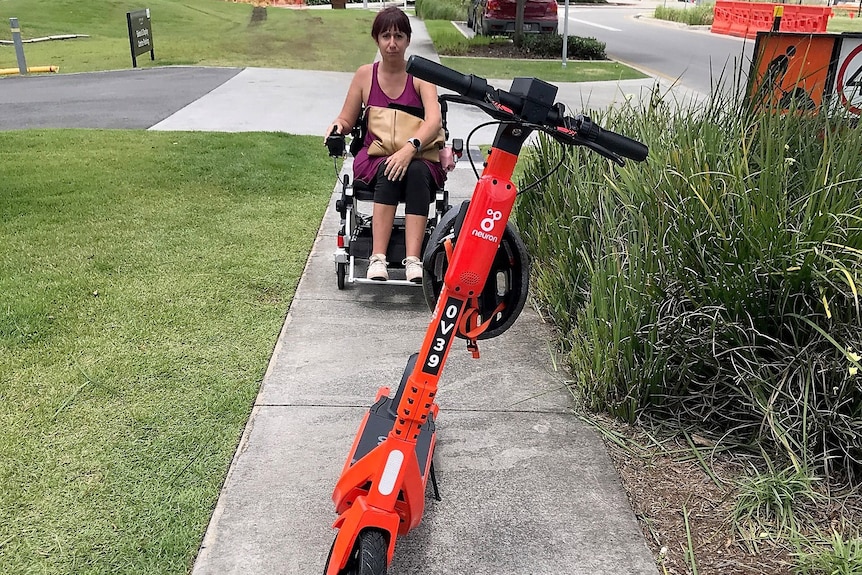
(354, 206)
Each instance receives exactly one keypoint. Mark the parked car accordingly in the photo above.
(490, 17)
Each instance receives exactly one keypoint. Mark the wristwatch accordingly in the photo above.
(416, 142)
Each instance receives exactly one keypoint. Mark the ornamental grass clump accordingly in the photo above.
(715, 284)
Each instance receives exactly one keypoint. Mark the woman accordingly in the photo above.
(402, 176)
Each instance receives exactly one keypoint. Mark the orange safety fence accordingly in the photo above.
(746, 19)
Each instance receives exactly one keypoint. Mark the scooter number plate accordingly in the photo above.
(446, 328)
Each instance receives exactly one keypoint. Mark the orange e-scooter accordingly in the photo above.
(381, 491)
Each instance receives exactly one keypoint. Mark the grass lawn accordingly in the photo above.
(144, 277)
(548, 70)
(219, 33)
(449, 40)
(191, 32)
(842, 22)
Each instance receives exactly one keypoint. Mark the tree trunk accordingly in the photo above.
(518, 38)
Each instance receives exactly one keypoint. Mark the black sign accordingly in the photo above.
(140, 34)
(446, 328)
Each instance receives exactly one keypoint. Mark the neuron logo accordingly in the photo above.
(487, 225)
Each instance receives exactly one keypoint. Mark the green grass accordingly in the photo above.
(550, 71)
(144, 277)
(842, 22)
(192, 32)
(834, 555)
(768, 502)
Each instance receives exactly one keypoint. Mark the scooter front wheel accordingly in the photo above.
(368, 556)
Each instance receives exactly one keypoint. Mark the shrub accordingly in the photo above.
(700, 15)
(441, 9)
(551, 46)
(717, 283)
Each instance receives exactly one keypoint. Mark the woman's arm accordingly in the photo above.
(356, 95)
(433, 119)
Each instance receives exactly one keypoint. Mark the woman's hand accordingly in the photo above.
(334, 128)
(396, 164)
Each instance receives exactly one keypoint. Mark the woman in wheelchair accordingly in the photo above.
(402, 175)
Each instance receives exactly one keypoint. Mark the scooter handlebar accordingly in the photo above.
(477, 89)
(617, 143)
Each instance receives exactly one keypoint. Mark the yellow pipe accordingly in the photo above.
(30, 69)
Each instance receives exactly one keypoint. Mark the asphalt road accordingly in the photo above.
(689, 56)
(123, 99)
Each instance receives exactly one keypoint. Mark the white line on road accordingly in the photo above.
(594, 24)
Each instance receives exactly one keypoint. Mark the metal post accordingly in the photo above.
(566, 33)
(19, 46)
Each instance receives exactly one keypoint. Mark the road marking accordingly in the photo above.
(594, 24)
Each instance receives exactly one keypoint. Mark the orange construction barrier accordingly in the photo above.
(721, 18)
(746, 19)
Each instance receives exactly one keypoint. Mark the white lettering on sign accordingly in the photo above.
(144, 42)
(442, 337)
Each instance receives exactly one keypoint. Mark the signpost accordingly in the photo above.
(140, 34)
(19, 47)
(566, 34)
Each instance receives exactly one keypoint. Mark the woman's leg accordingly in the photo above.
(414, 234)
(382, 220)
(418, 194)
(386, 196)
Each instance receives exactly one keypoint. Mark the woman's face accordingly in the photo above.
(392, 43)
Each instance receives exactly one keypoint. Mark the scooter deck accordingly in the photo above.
(381, 418)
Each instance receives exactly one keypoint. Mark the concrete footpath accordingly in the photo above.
(526, 487)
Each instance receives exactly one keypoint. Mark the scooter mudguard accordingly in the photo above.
(350, 524)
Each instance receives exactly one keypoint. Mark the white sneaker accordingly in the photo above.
(377, 268)
(413, 269)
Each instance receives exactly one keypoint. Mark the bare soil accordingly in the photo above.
(502, 50)
(662, 489)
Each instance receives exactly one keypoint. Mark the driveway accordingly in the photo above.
(123, 99)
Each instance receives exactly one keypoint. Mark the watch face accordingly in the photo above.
(416, 142)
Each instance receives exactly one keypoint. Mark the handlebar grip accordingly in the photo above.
(470, 86)
(616, 143)
(625, 147)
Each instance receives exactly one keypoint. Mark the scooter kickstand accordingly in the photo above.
(434, 482)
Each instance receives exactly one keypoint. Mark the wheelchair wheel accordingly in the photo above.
(368, 556)
(340, 274)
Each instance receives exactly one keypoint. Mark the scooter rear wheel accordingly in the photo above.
(368, 556)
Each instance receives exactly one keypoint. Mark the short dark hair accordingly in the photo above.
(390, 18)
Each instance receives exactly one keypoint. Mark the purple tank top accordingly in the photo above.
(365, 166)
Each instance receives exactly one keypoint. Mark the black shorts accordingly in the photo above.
(416, 189)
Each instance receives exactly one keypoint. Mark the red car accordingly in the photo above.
(491, 17)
